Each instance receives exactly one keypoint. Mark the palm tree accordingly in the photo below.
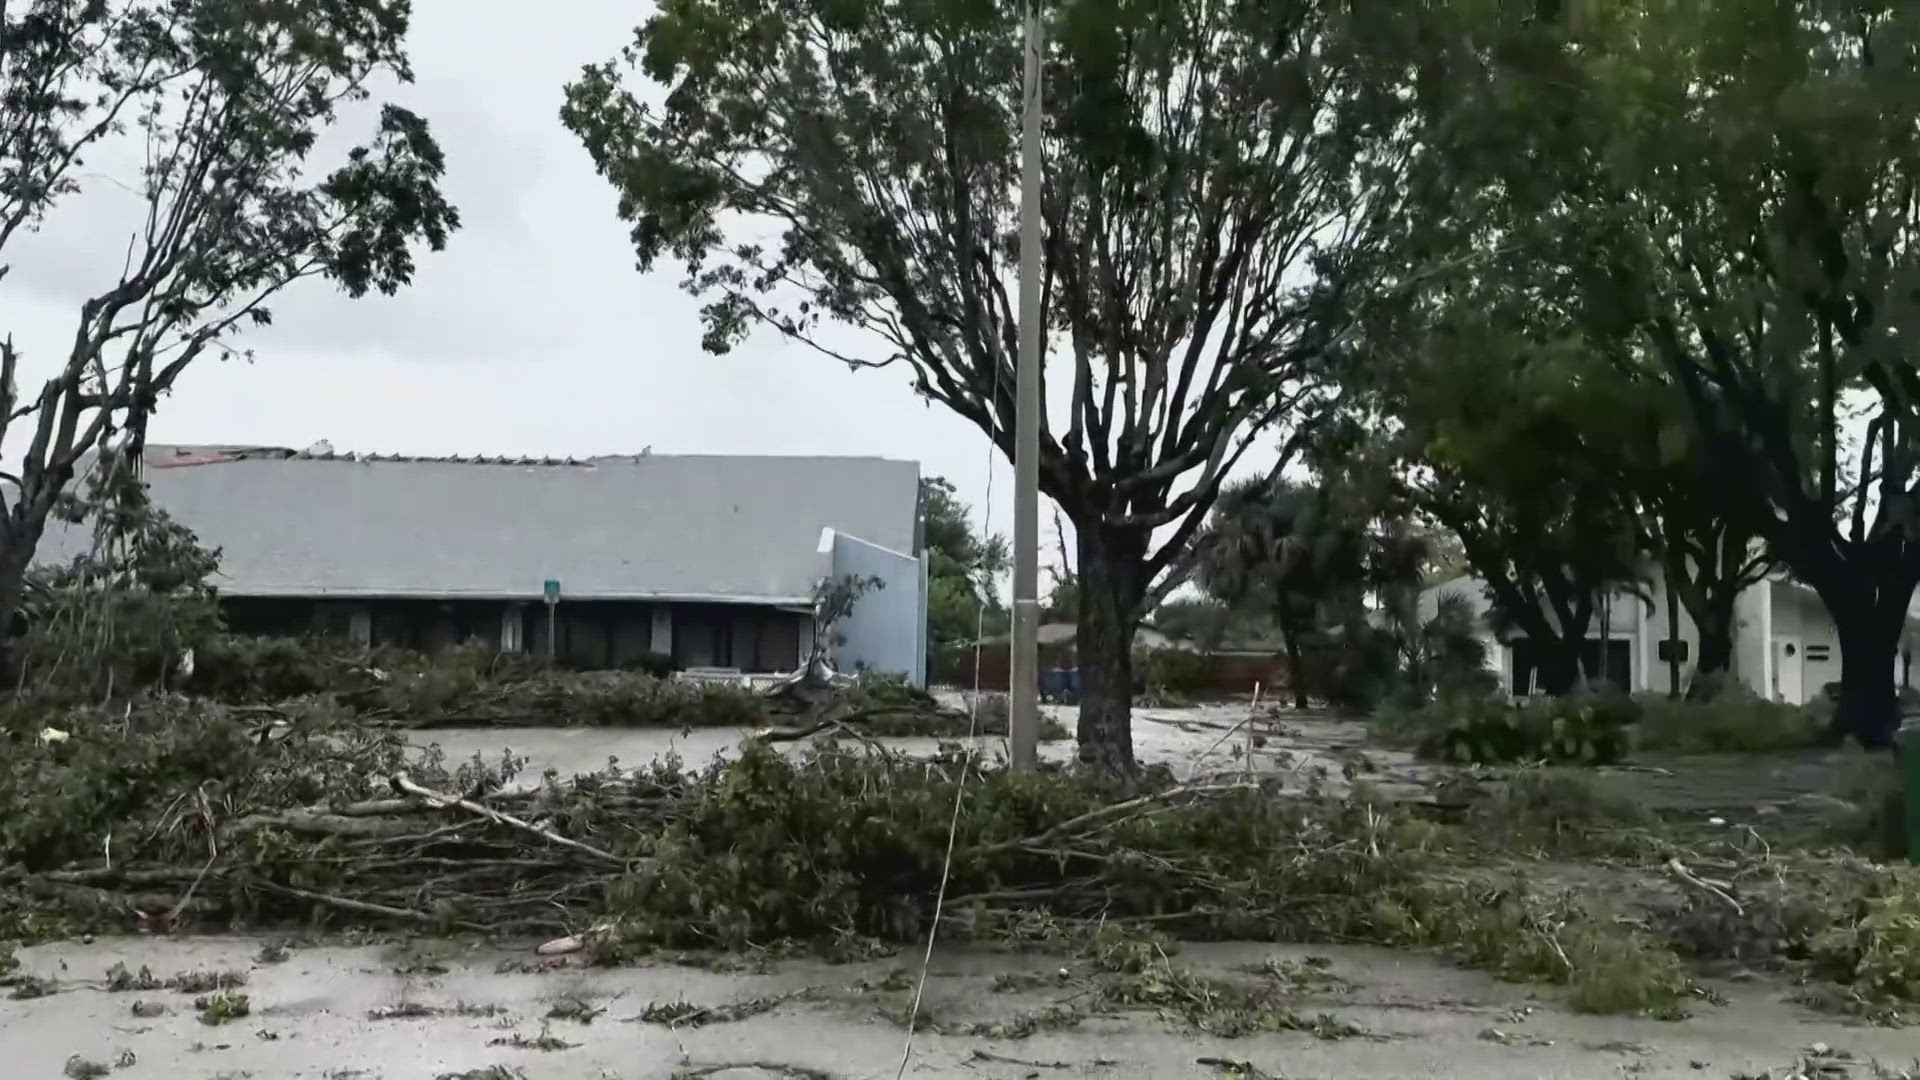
(1278, 547)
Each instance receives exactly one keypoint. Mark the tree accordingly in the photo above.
(1727, 187)
(1205, 621)
(1278, 548)
(227, 100)
(1490, 404)
(1219, 179)
(1675, 504)
(962, 566)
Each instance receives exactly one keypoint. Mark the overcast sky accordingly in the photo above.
(532, 333)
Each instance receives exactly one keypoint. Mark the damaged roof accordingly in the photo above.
(646, 526)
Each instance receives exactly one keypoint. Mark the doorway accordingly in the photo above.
(1789, 670)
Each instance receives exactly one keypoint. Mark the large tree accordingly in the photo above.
(1219, 178)
(223, 101)
(1729, 187)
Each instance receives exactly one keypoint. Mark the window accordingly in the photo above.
(1618, 670)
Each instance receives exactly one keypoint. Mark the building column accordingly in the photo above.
(662, 637)
(1768, 688)
(1642, 661)
(511, 616)
(360, 626)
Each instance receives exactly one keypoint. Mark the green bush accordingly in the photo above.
(658, 665)
(1877, 949)
(1734, 720)
(1581, 729)
(256, 669)
(1180, 671)
(1356, 670)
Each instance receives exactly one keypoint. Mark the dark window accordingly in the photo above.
(1618, 670)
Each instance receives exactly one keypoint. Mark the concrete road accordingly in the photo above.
(374, 1013)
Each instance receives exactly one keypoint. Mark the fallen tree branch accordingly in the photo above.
(1679, 870)
(366, 907)
(401, 782)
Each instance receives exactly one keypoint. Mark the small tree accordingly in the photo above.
(1219, 179)
(227, 99)
(962, 567)
(833, 600)
(124, 615)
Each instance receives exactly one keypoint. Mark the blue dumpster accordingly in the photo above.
(1060, 685)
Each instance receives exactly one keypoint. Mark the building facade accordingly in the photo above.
(711, 560)
(1785, 647)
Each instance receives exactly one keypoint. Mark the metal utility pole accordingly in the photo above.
(1023, 690)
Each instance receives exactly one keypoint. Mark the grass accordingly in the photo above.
(222, 1006)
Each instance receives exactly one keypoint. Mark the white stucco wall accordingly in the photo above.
(887, 630)
(1767, 617)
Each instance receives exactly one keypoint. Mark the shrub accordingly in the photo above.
(1181, 671)
(1733, 720)
(1877, 951)
(1873, 790)
(1581, 729)
(658, 665)
(1355, 669)
(249, 669)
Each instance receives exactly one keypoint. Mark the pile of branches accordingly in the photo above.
(177, 815)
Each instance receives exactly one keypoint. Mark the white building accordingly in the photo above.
(1784, 644)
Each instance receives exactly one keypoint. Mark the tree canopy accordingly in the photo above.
(228, 101)
(1219, 180)
(1724, 192)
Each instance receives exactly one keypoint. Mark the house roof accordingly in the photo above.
(648, 526)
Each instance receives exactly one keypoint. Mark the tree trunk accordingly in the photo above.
(1869, 707)
(1111, 591)
(1714, 621)
(1296, 675)
(13, 589)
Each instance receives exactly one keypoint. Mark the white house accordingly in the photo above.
(1784, 644)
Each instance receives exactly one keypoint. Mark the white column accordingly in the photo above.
(510, 626)
(1642, 676)
(360, 625)
(1767, 688)
(662, 638)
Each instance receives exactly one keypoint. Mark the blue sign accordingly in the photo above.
(552, 590)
